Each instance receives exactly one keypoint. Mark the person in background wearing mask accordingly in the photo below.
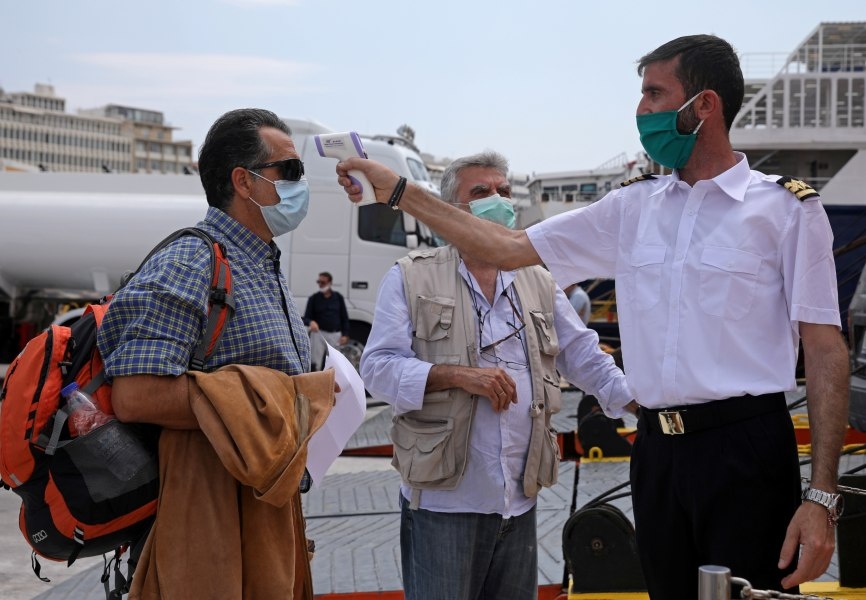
(327, 318)
(721, 272)
(232, 448)
(467, 354)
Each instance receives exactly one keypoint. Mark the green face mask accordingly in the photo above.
(662, 141)
(496, 209)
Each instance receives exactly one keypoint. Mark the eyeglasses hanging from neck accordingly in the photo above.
(517, 324)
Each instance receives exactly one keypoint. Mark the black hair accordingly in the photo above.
(234, 141)
(326, 274)
(706, 62)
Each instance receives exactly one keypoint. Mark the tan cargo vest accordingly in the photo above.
(431, 444)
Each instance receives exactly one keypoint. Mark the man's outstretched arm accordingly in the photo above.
(506, 248)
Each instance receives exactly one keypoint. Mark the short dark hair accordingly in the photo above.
(234, 141)
(706, 62)
(326, 274)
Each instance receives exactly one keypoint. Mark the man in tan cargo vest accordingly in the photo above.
(467, 355)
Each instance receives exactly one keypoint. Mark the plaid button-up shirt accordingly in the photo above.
(154, 323)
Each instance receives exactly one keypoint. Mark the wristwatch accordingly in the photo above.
(834, 503)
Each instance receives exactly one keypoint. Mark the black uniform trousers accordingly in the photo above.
(722, 493)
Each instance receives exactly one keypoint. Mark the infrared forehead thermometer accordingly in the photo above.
(347, 145)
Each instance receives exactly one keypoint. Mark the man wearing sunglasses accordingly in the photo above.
(467, 355)
(223, 528)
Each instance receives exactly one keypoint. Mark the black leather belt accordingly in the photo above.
(678, 420)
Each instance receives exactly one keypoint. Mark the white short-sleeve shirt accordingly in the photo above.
(711, 280)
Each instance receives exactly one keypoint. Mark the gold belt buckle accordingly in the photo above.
(671, 422)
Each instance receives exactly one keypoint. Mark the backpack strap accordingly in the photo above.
(37, 568)
(60, 418)
(223, 299)
(121, 583)
(221, 295)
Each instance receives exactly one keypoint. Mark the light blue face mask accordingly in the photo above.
(494, 208)
(285, 216)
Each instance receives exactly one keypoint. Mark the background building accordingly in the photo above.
(36, 130)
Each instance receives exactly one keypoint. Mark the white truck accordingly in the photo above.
(67, 238)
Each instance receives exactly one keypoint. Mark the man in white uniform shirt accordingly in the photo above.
(720, 272)
(467, 355)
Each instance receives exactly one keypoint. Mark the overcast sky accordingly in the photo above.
(550, 84)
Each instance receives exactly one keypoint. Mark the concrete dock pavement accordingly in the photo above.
(17, 580)
(81, 581)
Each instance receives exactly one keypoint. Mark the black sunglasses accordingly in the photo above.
(291, 169)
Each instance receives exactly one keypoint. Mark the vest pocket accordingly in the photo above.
(548, 465)
(545, 332)
(434, 319)
(422, 453)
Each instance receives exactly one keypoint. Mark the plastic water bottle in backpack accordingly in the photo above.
(84, 415)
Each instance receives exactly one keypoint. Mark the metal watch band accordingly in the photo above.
(831, 502)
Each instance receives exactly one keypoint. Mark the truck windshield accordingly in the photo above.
(419, 171)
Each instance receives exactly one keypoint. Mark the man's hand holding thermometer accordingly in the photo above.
(342, 146)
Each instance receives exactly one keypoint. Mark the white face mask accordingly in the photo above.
(292, 208)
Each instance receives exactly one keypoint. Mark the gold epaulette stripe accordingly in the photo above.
(801, 189)
(643, 177)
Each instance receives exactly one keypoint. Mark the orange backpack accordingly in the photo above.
(97, 493)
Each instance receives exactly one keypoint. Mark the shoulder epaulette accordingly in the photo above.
(643, 177)
(801, 189)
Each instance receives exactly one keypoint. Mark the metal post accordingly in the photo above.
(714, 583)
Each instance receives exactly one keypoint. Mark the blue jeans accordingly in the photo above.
(468, 556)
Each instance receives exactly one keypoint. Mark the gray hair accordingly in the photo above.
(487, 160)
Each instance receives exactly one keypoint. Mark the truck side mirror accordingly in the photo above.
(410, 225)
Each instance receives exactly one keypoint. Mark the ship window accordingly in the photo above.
(795, 116)
(824, 110)
(810, 103)
(568, 192)
(857, 110)
(843, 103)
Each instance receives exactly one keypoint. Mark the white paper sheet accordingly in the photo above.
(345, 418)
